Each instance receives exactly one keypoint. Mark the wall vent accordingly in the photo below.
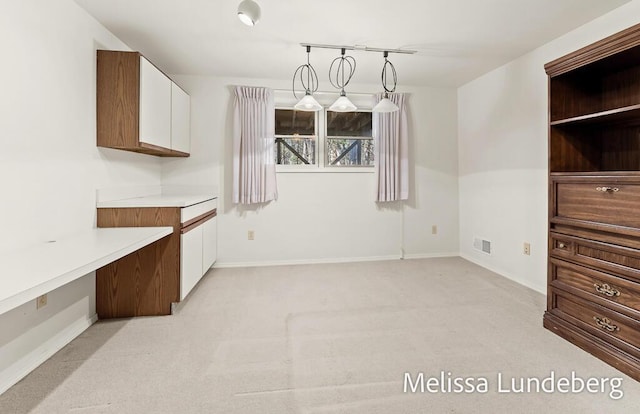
(482, 245)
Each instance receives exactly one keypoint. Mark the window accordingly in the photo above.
(324, 139)
(295, 137)
(349, 139)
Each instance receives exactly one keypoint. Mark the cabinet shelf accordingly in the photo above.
(627, 113)
(608, 174)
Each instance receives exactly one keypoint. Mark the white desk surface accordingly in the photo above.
(31, 272)
(159, 200)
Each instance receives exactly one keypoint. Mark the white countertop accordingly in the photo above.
(34, 271)
(158, 200)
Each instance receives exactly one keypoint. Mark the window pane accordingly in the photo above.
(350, 151)
(291, 122)
(348, 124)
(295, 151)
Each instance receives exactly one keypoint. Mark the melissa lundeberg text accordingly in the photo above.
(446, 382)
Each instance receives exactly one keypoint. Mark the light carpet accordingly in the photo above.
(324, 339)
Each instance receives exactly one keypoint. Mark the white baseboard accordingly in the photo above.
(222, 265)
(10, 376)
(500, 272)
(430, 255)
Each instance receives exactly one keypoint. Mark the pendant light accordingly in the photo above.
(342, 65)
(249, 12)
(308, 102)
(385, 105)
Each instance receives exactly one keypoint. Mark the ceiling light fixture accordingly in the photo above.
(249, 12)
(308, 102)
(344, 64)
(385, 105)
(345, 67)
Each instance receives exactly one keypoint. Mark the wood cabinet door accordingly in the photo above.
(155, 106)
(180, 119)
(190, 260)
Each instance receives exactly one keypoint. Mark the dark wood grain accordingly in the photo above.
(585, 202)
(573, 96)
(574, 150)
(603, 350)
(582, 312)
(582, 281)
(622, 44)
(594, 236)
(144, 283)
(621, 148)
(619, 260)
(605, 236)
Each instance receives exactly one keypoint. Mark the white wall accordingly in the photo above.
(50, 166)
(502, 127)
(326, 216)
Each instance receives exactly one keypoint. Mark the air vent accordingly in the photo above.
(482, 245)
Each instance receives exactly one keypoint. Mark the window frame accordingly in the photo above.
(299, 167)
(321, 164)
(326, 139)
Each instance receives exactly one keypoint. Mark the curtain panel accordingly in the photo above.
(254, 170)
(391, 136)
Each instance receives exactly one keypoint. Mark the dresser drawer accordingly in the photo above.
(612, 258)
(608, 290)
(599, 201)
(613, 327)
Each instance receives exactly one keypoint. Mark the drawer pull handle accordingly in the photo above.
(608, 189)
(605, 289)
(562, 246)
(605, 323)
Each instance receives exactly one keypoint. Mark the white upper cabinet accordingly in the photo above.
(180, 119)
(155, 106)
(139, 108)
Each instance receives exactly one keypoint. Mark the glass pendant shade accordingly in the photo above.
(249, 12)
(308, 103)
(385, 105)
(343, 104)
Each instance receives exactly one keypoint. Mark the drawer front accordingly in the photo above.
(601, 202)
(191, 212)
(619, 294)
(604, 323)
(619, 260)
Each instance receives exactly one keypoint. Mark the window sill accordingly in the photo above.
(315, 169)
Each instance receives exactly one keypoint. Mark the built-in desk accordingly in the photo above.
(150, 282)
(31, 272)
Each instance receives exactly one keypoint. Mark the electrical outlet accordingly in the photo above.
(41, 301)
(434, 229)
(527, 249)
(251, 235)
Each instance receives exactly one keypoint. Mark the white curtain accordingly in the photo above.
(392, 151)
(254, 170)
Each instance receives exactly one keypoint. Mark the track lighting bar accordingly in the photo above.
(359, 47)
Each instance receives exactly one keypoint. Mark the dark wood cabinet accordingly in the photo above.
(593, 297)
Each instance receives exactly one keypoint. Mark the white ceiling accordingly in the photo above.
(456, 40)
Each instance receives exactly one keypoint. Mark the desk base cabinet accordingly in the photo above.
(147, 282)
